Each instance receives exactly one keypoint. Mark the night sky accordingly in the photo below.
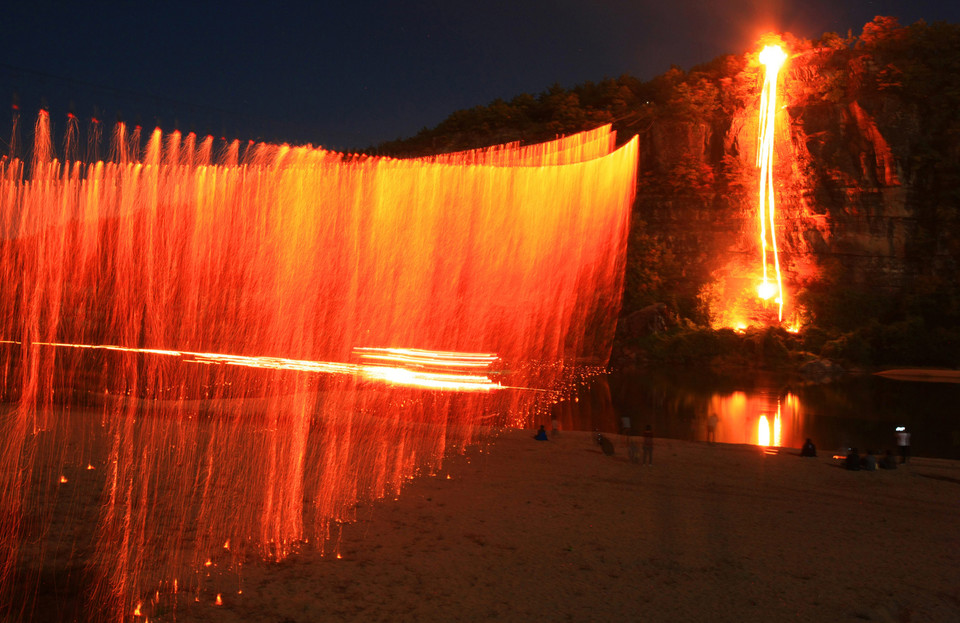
(351, 74)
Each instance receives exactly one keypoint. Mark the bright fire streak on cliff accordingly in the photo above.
(772, 57)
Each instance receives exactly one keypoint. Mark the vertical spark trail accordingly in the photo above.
(199, 349)
(771, 57)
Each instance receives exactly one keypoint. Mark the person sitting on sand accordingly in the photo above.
(808, 449)
(888, 461)
(541, 434)
(869, 462)
(853, 460)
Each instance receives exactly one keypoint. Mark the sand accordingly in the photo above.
(557, 531)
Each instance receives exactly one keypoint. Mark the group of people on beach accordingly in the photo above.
(869, 462)
(853, 460)
(607, 446)
(647, 434)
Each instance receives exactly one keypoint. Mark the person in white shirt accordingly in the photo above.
(903, 442)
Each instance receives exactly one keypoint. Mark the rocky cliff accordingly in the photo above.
(867, 170)
(862, 178)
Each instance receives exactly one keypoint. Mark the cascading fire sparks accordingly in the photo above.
(772, 57)
(179, 338)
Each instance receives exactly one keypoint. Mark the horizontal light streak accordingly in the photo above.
(393, 375)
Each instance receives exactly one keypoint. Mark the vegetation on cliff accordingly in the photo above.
(872, 205)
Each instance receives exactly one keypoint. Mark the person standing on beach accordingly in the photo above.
(712, 428)
(647, 445)
(903, 442)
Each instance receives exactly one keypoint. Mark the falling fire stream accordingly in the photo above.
(772, 57)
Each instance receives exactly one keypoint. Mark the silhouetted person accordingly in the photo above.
(808, 448)
(606, 445)
(869, 462)
(712, 422)
(903, 443)
(853, 460)
(888, 461)
(541, 434)
(648, 445)
(555, 425)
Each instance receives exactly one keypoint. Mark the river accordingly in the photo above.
(860, 411)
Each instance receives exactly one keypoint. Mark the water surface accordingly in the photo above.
(859, 411)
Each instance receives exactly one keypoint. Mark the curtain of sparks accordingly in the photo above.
(207, 357)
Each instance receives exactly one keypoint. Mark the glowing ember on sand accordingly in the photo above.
(233, 405)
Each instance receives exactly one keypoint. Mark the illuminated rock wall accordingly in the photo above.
(854, 206)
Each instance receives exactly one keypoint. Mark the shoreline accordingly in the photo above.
(518, 530)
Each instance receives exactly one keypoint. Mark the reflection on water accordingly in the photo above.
(771, 409)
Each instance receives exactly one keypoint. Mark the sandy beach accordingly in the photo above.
(521, 530)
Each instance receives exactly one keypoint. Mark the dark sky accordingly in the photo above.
(348, 74)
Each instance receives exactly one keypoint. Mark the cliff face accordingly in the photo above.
(857, 206)
(867, 170)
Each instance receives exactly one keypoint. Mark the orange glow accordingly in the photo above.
(764, 436)
(763, 431)
(742, 293)
(431, 358)
(63, 479)
(394, 375)
(136, 611)
(431, 380)
(219, 601)
(247, 421)
(777, 424)
(766, 290)
(772, 57)
(763, 419)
